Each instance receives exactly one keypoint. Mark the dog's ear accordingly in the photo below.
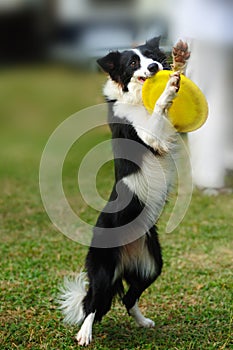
(110, 62)
(154, 42)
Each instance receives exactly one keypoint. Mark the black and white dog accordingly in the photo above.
(125, 245)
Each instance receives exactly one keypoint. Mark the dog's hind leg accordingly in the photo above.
(139, 281)
(130, 301)
(96, 303)
(139, 318)
(84, 336)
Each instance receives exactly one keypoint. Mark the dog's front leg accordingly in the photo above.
(167, 97)
(159, 132)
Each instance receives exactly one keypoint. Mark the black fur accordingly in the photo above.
(151, 49)
(120, 66)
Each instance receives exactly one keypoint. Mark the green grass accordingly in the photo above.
(191, 302)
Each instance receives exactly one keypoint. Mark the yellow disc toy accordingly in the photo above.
(189, 109)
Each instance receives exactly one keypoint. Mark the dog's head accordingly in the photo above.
(134, 65)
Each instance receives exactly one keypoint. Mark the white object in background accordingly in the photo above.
(207, 26)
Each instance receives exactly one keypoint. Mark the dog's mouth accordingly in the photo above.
(142, 79)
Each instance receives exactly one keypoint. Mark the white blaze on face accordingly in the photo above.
(143, 71)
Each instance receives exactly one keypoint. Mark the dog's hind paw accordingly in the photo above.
(84, 336)
(139, 318)
(146, 322)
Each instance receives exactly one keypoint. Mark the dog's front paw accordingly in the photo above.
(180, 52)
(180, 55)
(174, 82)
(167, 97)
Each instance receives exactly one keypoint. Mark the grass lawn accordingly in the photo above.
(191, 302)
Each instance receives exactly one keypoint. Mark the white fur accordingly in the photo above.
(152, 183)
(136, 257)
(84, 336)
(71, 299)
(113, 91)
(139, 318)
(155, 130)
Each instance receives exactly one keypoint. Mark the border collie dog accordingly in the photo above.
(125, 245)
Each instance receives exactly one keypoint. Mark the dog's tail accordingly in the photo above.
(71, 299)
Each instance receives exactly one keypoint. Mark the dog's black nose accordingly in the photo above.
(153, 67)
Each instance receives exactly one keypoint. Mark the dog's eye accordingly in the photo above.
(133, 63)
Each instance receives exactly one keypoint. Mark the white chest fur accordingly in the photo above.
(152, 183)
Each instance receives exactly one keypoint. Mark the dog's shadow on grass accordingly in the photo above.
(127, 335)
